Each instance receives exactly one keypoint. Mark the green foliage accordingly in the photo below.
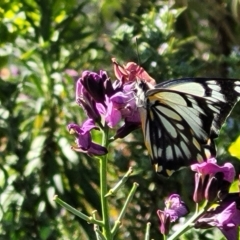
(39, 41)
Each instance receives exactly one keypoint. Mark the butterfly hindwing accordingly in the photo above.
(180, 119)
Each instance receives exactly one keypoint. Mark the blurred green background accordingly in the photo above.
(44, 47)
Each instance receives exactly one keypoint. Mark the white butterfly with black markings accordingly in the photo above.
(181, 118)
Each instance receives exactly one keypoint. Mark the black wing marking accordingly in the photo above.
(181, 118)
(220, 90)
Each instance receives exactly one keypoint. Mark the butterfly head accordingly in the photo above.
(142, 86)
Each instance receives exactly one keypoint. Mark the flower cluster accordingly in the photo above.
(107, 103)
(212, 183)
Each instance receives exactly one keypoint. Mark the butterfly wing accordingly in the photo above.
(180, 119)
(224, 92)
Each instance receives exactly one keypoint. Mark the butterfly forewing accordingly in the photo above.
(180, 119)
(215, 91)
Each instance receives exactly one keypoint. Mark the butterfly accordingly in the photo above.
(181, 118)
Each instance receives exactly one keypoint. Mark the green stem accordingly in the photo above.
(120, 183)
(187, 225)
(197, 208)
(76, 212)
(147, 233)
(98, 233)
(103, 188)
(124, 209)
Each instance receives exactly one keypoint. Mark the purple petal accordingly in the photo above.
(231, 233)
(119, 98)
(96, 149)
(84, 141)
(210, 167)
(84, 99)
(94, 84)
(173, 201)
(211, 189)
(229, 173)
(101, 108)
(198, 194)
(175, 207)
(74, 128)
(134, 117)
(103, 75)
(88, 125)
(89, 106)
(126, 129)
(79, 89)
(113, 116)
(164, 222)
(226, 215)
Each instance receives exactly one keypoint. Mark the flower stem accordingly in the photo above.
(76, 212)
(147, 233)
(120, 183)
(187, 225)
(98, 233)
(103, 188)
(123, 211)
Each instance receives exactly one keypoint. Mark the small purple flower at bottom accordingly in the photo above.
(175, 208)
(226, 217)
(165, 221)
(84, 139)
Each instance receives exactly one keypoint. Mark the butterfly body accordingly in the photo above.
(181, 118)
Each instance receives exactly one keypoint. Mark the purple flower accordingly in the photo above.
(95, 84)
(84, 140)
(126, 129)
(120, 106)
(212, 183)
(165, 222)
(226, 217)
(211, 180)
(111, 114)
(114, 102)
(175, 208)
(84, 99)
(211, 168)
